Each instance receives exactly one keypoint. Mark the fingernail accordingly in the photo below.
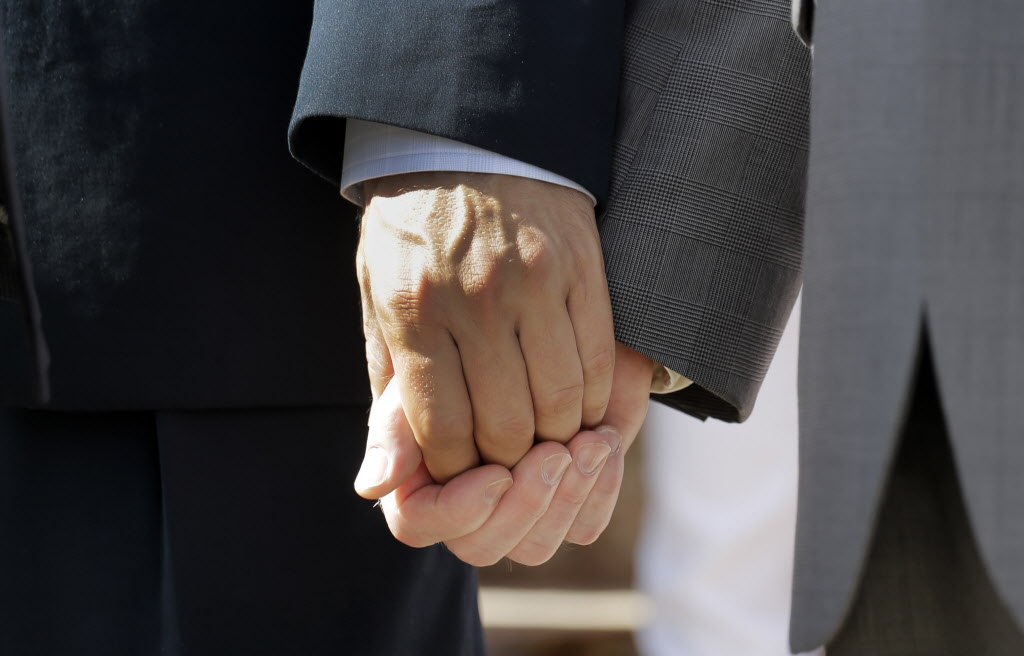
(591, 457)
(374, 469)
(613, 436)
(496, 490)
(553, 468)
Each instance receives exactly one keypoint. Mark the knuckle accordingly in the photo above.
(443, 429)
(601, 363)
(575, 498)
(538, 255)
(564, 401)
(505, 440)
(404, 305)
(482, 282)
(513, 428)
(539, 261)
(585, 251)
(408, 297)
(534, 512)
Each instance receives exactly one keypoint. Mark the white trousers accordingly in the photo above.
(716, 553)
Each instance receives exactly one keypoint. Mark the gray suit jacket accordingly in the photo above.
(915, 221)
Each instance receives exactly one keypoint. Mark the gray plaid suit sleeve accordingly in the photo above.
(703, 229)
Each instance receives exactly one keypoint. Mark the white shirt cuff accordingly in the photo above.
(375, 150)
(666, 381)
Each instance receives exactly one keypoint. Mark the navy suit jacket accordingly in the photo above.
(180, 256)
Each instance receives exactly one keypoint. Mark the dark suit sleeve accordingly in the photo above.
(535, 81)
(703, 229)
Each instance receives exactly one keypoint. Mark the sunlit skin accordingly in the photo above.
(484, 298)
(490, 512)
(503, 407)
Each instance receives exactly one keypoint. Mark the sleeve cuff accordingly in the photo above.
(376, 150)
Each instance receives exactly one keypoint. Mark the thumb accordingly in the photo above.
(392, 455)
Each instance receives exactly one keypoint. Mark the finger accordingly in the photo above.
(589, 451)
(631, 392)
(556, 376)
(428, 371)
(595, 513)
(392, 455)
(536, 478)
(591, 314)
(500, 393)
(421, 513)
(378, 358)
(627, 407)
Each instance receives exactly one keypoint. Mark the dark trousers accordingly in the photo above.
(215, 532)
(925, 591)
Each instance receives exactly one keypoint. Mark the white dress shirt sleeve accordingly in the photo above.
(375, 150)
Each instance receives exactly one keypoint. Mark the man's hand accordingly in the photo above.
(554, 494)
(484, 297)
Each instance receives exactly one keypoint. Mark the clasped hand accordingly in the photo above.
(491, 354)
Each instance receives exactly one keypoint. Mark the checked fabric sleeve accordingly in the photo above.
(702, 233)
